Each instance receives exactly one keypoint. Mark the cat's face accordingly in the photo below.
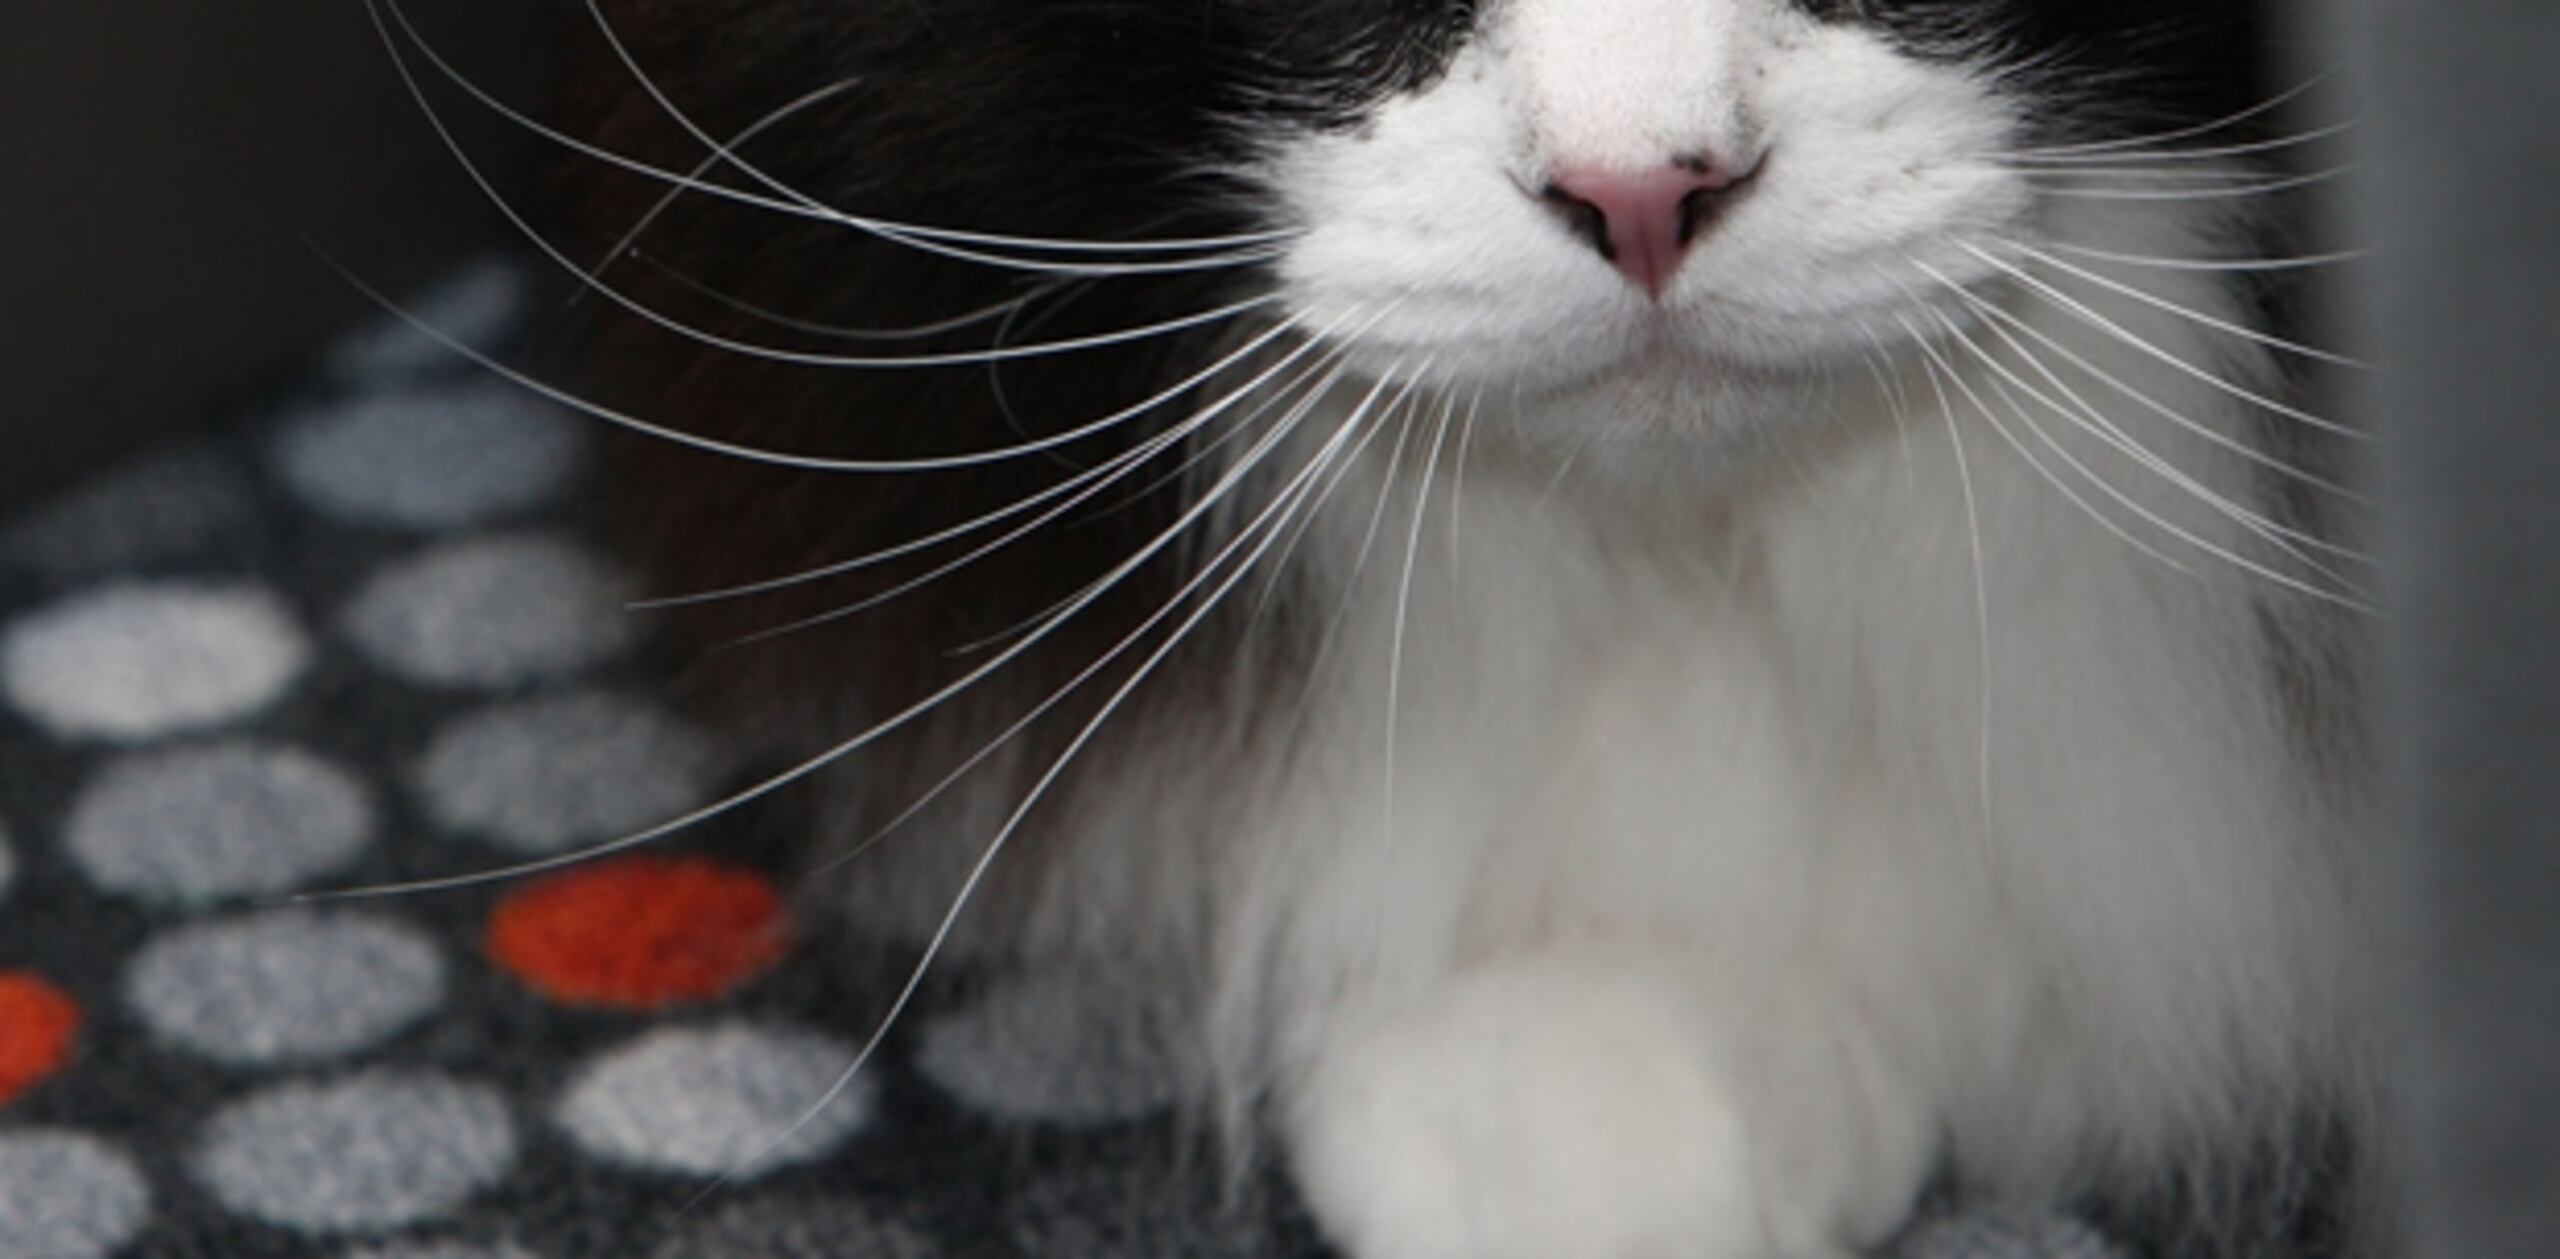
(1628, 199)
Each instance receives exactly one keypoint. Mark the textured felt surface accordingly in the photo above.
(354, 637)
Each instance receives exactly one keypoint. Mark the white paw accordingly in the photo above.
(1537, 1111)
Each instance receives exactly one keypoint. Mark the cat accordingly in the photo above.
(1665, 626)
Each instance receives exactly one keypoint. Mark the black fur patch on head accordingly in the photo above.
(2094, 69)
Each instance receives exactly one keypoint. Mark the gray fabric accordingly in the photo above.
(2464, 179)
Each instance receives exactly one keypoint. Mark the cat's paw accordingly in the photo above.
(1537, 1112)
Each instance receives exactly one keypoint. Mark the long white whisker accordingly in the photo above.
(1105, 470)
(2094, 422)
(1992, 310)
(1404, 599)
(1332, 366)
(848, 332)
(934, 240)
(1246, 247)
(1332, 633)
(2214, 322)
(775, 458)
(1058, 696)
(941, 936)
(640, 226)
(2212, 379)
(1981, 584)
(2101, 518)
(499, 201)
(1152, 446)
(2208, 153)
(1458, 468)
(2262, 108)
(847, 747)
(2051, 186)
(2153, 518)
(2217, 265)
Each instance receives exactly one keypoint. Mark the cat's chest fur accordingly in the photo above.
(1895, 729)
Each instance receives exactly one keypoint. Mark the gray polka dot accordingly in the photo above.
(793, 1230)
(460, 455)
(550, 773)
(477, 306)
(1054, 1047)
(219, 820)
(175, 505)
(377, 1150)
(1993, 1235)
(290, 986)
(717, 1100)
(64, 1195)
(138, 661)
(492, 612)
(1136, 1210)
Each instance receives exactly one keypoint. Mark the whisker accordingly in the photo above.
(1878, 360)
(1992, 310)
(2101, 518)
(1404, 599)
(2260, 188)
(1333, 361)
(912, 332)
(780, 459)
(1245, 247)
(1331, 367)
(2107, 487)
(1288, 519)
(2219, 152)
(912, 546)
(2215, 380)
(2214, 322)
(1154, 445)
(1039, 789)
(839, 751)
(1458, 467)
(2300, 262)
(641, 226)
(1981, 579)
(1000, 353)
(903, 233)
(2094, 422)
(2261, 109)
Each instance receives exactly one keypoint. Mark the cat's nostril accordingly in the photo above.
(1643, 222)
(1583, 218)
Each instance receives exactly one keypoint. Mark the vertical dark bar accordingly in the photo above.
(2463, 106)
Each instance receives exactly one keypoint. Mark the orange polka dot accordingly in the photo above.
(36, 1025)
(639, 933)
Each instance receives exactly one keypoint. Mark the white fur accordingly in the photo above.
(1719, 889)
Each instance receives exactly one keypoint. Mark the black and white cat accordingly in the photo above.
(1666, 622)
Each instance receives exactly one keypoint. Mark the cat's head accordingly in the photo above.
(1631, 198)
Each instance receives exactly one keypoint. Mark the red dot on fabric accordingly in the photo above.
(640, 933)
(36, 1026)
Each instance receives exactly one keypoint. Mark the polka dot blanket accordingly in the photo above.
(354, 638)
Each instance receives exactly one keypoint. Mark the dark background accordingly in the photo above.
(160, 164)
(167, 165)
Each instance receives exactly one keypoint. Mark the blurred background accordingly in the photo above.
(167, 165)
(170, 163)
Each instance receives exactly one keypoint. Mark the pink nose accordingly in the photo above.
(1642, 222)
